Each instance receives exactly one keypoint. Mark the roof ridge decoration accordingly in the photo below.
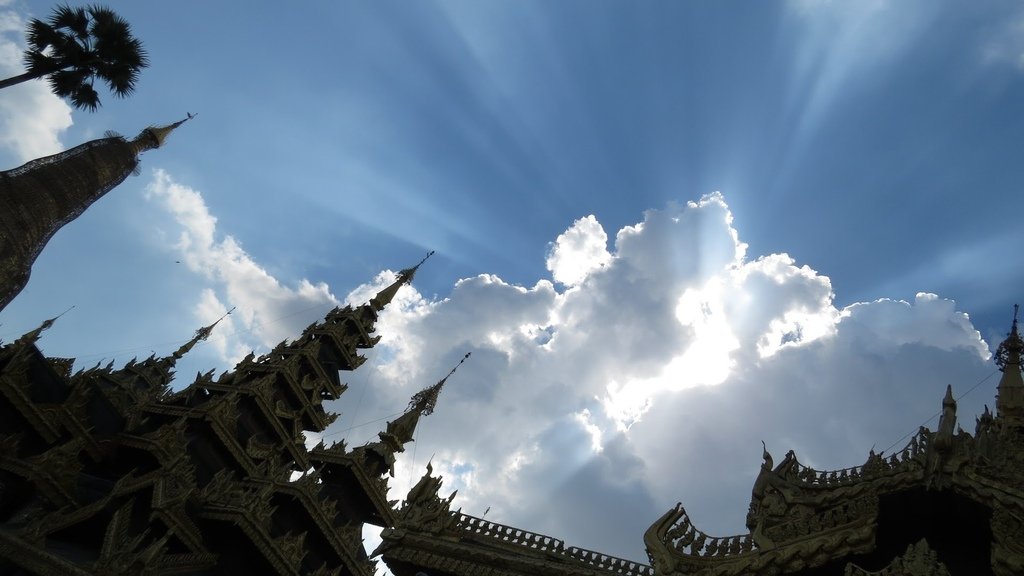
(425, 514)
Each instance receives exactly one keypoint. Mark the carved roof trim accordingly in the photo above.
(304, 490)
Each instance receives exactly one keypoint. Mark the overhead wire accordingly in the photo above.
(939, 413)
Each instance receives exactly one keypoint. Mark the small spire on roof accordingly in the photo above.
(1010, 392)
(33, 335)
(408, 273)
(200, 335)
(385, 296)
(425, 400)
(402, 429)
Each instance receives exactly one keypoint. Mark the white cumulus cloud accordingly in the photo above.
(586, 413)
(266, 311)
(578, 251)
(651, 378)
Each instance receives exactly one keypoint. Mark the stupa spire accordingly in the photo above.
(422, 403)
(33, 335)
(157, 372)
(200, 335)
(401, 430)
(1010, 393)
(385, 296)
(154, 136)
(41, 196)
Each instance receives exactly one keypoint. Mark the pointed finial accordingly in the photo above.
(407, 274)
(385, 296)
(948, 399)
(34, 334)
(425, 400)
(402, 429)
(200, 335)
(1009, 350)
(154, 136)
(1010, 392)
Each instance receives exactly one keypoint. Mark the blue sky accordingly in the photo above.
(865, 152)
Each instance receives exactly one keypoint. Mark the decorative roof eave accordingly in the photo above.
(254, 530)
(15, 387)
(303, 490)
(374, 486)
(263, 394)
(427, 525)
(445, 556)
(676, 548)
(497, 549)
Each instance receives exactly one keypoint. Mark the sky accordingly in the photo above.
(667, 231)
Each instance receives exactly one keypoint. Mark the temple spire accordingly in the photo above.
(384, 297)
(32, 336)
(156, 372)
(402, 429)
(200, 335)
(1010, 393)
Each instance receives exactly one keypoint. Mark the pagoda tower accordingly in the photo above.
(41, 196)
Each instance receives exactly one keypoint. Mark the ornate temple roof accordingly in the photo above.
(109, 471)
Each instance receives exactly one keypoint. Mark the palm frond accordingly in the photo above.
(76, 20)
(85, 98)
(75, 46)
(40, 35)
(63, 83)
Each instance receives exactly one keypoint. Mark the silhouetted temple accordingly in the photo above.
(108, 471)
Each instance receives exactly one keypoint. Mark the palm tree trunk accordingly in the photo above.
(21, 78)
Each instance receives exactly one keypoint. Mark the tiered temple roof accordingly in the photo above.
(107, 471)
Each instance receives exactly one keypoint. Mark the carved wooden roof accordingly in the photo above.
(107, 471)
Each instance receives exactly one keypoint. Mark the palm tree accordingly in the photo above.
(78, 45)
